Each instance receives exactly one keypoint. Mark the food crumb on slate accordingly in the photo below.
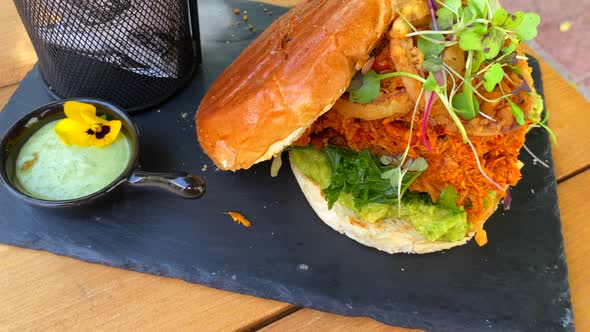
(204, 168)
(183, 115)
(239, 218)
(303, 267)
(532, 191)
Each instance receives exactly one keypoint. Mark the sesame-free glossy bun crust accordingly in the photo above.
(289, 76)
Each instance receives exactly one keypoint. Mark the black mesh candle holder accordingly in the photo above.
(132, 53)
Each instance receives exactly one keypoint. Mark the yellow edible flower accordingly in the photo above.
(82, 127)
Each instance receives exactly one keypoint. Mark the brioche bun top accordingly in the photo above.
(288, 77)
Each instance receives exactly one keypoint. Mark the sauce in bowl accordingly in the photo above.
(48, 169)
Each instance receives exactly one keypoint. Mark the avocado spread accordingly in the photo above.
(434, 222)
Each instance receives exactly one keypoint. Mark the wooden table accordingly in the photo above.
(43, 291)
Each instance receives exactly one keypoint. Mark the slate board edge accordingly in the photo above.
(540, 88)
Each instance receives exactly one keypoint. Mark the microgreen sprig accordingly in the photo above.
(366, 88)
(414, 166)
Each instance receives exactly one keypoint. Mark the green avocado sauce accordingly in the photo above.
(434, 222)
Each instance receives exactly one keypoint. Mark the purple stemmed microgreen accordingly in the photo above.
(396, 175)
(432, 7)
(507, 199)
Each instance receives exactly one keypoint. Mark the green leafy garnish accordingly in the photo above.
(502, 18)
(432, 51)
(370, 88)
(454, 5)
(551, 133)
(471, 39)
(478, 60)
(463, 107)
(510, 48)
(527, 30)
(448, 198)
(430, 84)
(465, 103)
(430, 48)
(478, 8)
(492, 43)
(493, 76)
(362, 175)
(445, 18)
(518, 113)
(368, 91)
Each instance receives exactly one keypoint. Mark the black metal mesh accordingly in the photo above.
(133, 53)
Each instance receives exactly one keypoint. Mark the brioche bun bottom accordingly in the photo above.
(392, 235)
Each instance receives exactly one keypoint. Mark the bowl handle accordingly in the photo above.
(181, 184)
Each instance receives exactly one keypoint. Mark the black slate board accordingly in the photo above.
(518, 282)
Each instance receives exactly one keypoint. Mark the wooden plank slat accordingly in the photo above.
(312, 320)
(17, 54)
(5, 94)
(575, 214)
(42, 291)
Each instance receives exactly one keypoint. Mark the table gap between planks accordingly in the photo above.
(43, 291)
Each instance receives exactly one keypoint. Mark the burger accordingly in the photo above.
(403, 120)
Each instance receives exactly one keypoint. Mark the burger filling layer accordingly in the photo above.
(360, 182)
